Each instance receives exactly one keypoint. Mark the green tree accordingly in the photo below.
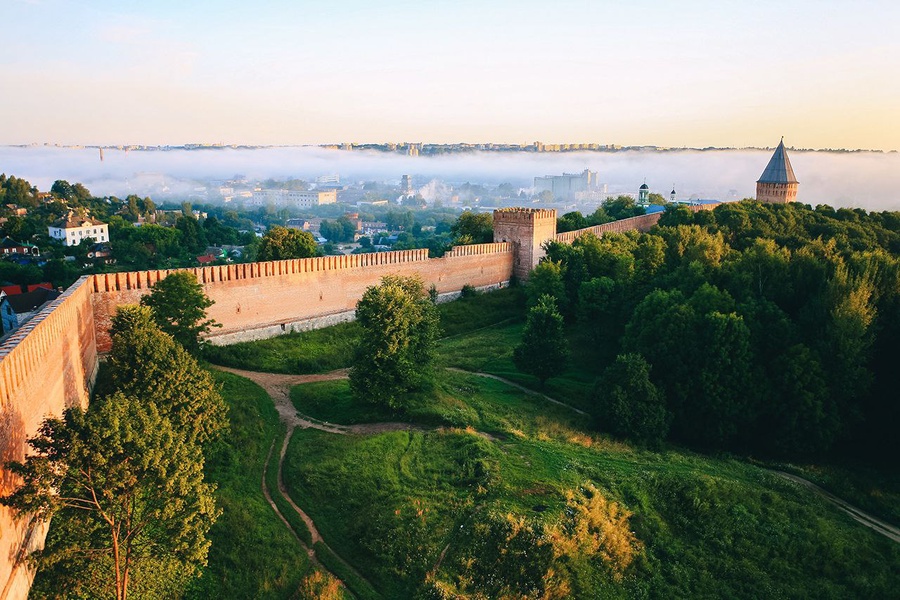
(543, 351)
(192, 235)
(179, 308)
(340, 230)
(125, 479)
(281, 243)
(622, 207)
(473, 228)
(147, 363)
(628, 404)
(132, 490)
(396, 349)
(62, 189)
(546, 279)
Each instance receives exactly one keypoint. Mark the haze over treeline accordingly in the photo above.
(862, 179)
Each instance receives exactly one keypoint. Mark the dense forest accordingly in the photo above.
(767, 329)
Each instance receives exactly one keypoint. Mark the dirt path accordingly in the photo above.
(519, 387)
(278, 386)
(885, 529)
(265, 491)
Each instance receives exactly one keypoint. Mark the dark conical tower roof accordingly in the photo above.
(779, 168)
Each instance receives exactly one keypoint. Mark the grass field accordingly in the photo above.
(252, 555)
(874, 490)
(707, 527)
(420, 513)
(324, 350)
(490, 350)
(453, 399)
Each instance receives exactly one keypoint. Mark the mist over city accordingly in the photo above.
(869, 180)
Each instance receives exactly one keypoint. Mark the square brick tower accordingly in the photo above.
(527, 229)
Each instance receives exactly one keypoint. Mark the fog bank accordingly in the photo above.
(866, 180)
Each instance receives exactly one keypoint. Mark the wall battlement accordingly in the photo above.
(50, 364)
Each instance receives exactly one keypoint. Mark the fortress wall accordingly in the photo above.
(642, 223)
(258, 300)
(47, 365)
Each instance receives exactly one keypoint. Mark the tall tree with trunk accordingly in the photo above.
(125, 479)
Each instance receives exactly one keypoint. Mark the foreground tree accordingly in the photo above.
(179, 308)
(281, 243)
(400, 327)
(125, 479)
(543, 351)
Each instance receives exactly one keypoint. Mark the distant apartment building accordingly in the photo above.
(73, 229)
(293, 198)
(567, 186)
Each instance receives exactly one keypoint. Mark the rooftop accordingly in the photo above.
(779, 169)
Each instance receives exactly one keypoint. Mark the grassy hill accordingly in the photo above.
(506, 494)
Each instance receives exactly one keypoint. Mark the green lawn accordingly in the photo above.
(324, 350)
(490, 350)
(453, 399)
(705, 527)
(708, 528)
(253, 555)
(317, 351)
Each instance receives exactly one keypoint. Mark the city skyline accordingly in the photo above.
(700, 74)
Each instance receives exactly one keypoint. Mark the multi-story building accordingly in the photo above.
(567, 186)
(293, 198)
(75, 228)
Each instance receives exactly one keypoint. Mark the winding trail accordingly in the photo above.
(279, 387)
(860, 516)
(510, 383)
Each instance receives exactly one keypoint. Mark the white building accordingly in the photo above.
(293, 198)
(73, 229)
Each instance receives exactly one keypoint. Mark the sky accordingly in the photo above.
(691, 73)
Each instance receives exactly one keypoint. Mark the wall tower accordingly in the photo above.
(527, 229)
(777, 184)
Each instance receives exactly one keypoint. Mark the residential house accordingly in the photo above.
(10, 246)
(26, 304)
(75, 228)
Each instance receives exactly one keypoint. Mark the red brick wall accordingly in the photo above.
(47, 365)
(258, 295)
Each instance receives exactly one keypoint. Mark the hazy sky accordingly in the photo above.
(696, 73)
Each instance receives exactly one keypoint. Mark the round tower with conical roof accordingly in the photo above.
(777, 185)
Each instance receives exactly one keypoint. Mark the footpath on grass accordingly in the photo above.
(278, 387)
(860, 516)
